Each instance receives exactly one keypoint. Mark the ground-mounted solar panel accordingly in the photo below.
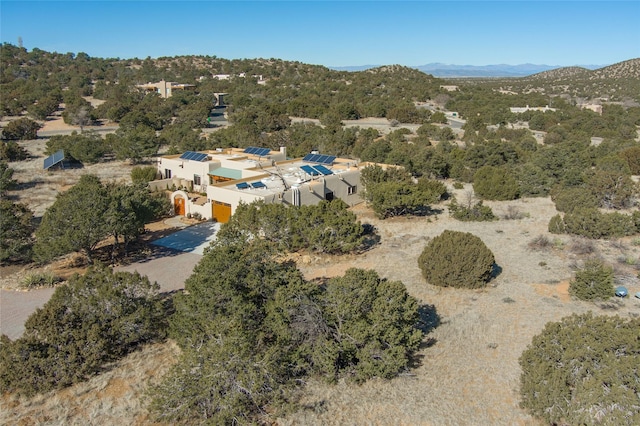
(322, 169)
(310, 170)
(258, 185)
(53, 159)
(242, 185)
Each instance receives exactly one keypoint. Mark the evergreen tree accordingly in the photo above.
(16, 229)
(94, 319)
(583, 370)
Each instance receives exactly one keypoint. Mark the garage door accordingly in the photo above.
(221, 211)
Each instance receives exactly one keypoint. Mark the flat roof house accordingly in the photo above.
(165, 88)
(222, 179)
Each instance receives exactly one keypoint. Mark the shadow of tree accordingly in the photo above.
(371, 237)
(428, 320)
(496, 270)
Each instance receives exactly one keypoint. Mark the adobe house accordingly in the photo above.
(214, 183)
(165, 88)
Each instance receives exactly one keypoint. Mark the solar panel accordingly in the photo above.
(260, 152)
(195, 156)
(242, 185)
(327, 159)
(53, 159)
(319, 158)
(322, 169)
(310, 170)
(258, 185)
(200, 156)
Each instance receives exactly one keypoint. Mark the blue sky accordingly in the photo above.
(333, 33)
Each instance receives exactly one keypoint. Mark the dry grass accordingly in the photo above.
(111, 398)
(38, 188)
(467, 373)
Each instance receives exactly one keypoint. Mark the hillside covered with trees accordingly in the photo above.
(251, 330)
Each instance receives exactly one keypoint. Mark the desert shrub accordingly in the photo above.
(328, 227)
(145, 174)
(41, 279)
(582, 246)
(495, 183)
(21, 129)
(476, 213)
(456, 259)
(612, 189)
(87, 147)
(591, 223)
(392, 192)
(533, 181)
(541, 242)
(618, 224)
(632, 157)
(593, 282)
(583, 370)
(94, 319)
(514, 213)
(458, 185)
(11, 151)
(251, 329)
(570, 199)
(16, 231)
(556, 225)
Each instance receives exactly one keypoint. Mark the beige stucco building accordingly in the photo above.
(213, 183)
(165, 88)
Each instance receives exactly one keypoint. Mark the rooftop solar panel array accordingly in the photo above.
(319, 158)
(310, 170)
(260, 152)
(53, 159)
(242, 185)
(322, 169)
(258, 185)
(195, 156)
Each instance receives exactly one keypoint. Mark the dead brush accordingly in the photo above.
(582, 247)
(618, 244)
(540, 243)
(513, 213)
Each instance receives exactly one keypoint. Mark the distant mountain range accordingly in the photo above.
(449, 71)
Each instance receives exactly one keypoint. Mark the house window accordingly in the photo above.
(196, 180)
(167, 173)
(352, 190)
(328, 196)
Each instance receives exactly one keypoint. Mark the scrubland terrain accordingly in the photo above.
(467, 371)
